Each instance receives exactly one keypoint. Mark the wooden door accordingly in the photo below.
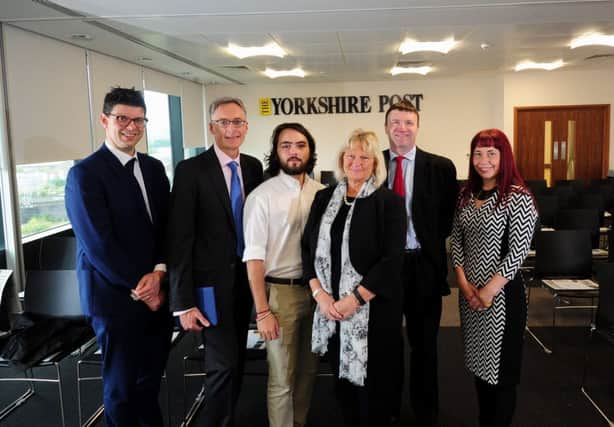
(564, 142)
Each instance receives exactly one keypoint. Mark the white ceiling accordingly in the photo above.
(346, 40)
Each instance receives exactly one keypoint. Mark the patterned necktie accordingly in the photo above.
(236, 202)
(398, 185)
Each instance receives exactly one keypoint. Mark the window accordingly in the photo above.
(159, 129)
(41, 196)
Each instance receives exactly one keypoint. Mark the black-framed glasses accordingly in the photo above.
(125, 120)
(224, 123)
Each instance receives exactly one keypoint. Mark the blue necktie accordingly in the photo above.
(236, 202)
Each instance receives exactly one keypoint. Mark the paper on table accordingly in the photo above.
(572, 285)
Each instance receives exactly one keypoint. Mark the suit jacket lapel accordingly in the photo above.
(148, 180)
(419, 181)
(213, 171)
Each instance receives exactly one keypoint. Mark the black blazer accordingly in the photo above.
(201, 232)
(432, 209)
(377, 238)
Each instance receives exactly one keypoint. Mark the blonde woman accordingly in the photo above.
(352, 252)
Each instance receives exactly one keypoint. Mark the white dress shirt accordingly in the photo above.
(274, 218)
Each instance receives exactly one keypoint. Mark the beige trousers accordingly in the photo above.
(292, 365)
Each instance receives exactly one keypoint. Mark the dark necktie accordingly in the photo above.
(236, 202)
(135, 183)
(398, 185)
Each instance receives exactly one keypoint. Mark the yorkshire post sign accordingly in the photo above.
(361, 104)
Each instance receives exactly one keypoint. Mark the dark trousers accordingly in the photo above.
(422, 310)
(361, 406)
(134, 355)
(225, 346)
(497, 403)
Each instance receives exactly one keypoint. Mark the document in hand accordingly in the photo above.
(205, 301)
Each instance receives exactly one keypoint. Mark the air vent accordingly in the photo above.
(599, 56)
(414, 63)
(236, 67)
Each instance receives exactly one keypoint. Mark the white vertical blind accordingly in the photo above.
(160, 82)
(105, 73)
(47, 98)
(193, 114)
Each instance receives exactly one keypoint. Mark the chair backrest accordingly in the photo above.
(605, 309)
(537, 186)
(58, 253)
(566, 195)
(547, 207)
(563, 254)
(579, 219)
(328, 178)
(52, 293)
(577, 185)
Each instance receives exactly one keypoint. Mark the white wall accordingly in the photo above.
(452, 111)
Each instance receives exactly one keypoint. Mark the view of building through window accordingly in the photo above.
(41, 195)
(41, 186)
(159, 130)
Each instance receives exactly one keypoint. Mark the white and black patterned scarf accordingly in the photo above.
(353, 331)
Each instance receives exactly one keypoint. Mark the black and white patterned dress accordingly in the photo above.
(493, 338)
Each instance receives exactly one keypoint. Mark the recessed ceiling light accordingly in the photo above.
(273, 74)
(484, 46)
(411, 70)
(592, 39)
(530, 65)
(144, 59)
(444, 46)
(271, 49)
(81, 37)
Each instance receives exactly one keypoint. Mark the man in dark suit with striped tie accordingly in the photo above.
(117, 202)
(206, 248)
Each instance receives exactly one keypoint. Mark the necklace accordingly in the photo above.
(346, 201)
(485, 194)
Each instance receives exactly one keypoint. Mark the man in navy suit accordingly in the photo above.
(117, 202)
(205, 250)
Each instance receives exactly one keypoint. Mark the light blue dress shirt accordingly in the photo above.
(409, 165)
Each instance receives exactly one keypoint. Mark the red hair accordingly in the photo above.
(508, 178)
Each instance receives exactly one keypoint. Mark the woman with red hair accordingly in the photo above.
(491, 236)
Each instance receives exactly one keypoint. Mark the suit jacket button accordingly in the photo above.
(232, 265)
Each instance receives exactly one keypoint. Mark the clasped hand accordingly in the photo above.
(341, 309)
(479, 299)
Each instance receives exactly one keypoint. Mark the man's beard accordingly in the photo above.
(294, 170)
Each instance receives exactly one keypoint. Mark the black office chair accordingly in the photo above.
(577, 185)
(565, 193)
(593, 201)
(600, 349)
(547, 208)
(56, 329)
(537, 186)
(579, 219)
(563, 254)
(58, 253)
(328, 178)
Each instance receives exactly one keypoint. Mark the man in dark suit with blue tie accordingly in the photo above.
(117, 202)
(205, 249)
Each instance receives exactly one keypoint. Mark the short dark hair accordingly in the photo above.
(272, 159)
(403, 106)
(124, 96)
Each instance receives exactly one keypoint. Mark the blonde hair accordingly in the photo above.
(370, 144)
